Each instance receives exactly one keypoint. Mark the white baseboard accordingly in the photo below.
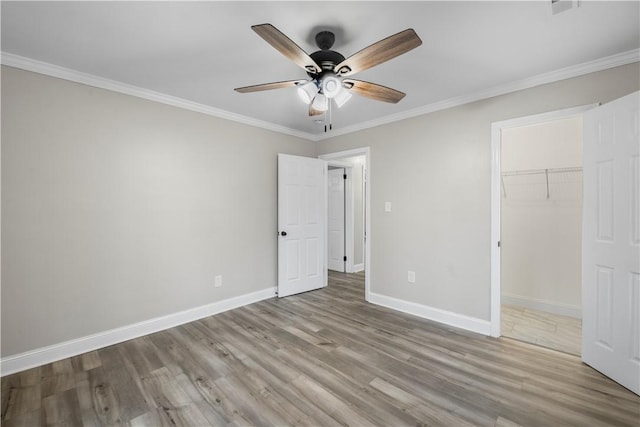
(358, 268)
(543, 305)
(449, 318)
(52, 353)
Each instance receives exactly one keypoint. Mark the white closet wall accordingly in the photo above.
(542, 216)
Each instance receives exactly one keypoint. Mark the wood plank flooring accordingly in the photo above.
(322, 358)
(557, 332)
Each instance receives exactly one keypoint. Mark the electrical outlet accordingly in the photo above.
(411, 276)
(387, 206)
(217, 281)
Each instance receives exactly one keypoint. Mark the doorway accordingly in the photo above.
(541, 229)
(528, 180)
(356, 211)
(337, 235)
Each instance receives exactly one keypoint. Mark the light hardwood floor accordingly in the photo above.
(560, 333)
(321, 358)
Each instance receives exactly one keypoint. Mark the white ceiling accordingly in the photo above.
(200, 51)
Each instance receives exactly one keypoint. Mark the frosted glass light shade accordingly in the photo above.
(342, 97)
(320, 102)
(307, 91)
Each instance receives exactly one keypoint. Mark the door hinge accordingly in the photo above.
(498, 243)
(344, 176)
(345, 257)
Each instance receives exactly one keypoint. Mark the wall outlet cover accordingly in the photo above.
(411, 277)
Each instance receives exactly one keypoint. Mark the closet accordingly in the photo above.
(541, 220)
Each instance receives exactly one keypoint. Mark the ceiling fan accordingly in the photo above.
(330, 72)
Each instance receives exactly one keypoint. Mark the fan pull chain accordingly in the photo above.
(328, 113)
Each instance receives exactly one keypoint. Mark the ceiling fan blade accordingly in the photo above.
(313, 111)
(379, 52)
(268, 86)
(373, 91)
(286, 46)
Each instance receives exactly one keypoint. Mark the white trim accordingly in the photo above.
(357, 268)
(41, 356)
(448, 318)
(339, 164)
(348, 219)
(52, 70)
(33, 65)
(325, 266)
(552, 307)
(526, 83)
(495, 250)
(496, 136)
(366, 152)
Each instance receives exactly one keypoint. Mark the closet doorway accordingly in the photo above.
(541, 227)
(536, 234)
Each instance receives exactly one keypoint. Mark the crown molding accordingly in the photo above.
(40, 67)
(527, 83)
(28, 64)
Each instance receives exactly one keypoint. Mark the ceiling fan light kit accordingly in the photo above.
(320, 102)
(307, 91)
(331, 85)
(342, 97)
(327, 69)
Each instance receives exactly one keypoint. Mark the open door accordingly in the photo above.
(302, 210)
(336, 209)
(611, 241)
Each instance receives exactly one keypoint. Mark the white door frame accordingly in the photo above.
(364, 151)
(348, 213)
(496, 145)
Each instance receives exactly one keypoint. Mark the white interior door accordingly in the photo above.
(336, 220)
(302, 211)
(611, 241)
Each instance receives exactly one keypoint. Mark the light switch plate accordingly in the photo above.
(217, 281)
(387, 206)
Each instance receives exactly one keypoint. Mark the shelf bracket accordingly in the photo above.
(546, 173)
(504, 189)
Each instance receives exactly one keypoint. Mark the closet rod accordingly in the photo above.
(542, 171)
(546, 172)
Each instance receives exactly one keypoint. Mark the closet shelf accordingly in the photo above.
(546, 172)
(542, 171)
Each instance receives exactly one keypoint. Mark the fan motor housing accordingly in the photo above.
(327, 59)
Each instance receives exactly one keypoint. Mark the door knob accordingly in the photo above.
(283, 233)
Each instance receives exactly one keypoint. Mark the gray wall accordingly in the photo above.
(435, 169)
(117, 210)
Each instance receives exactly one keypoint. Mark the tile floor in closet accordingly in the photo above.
(561, 333)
